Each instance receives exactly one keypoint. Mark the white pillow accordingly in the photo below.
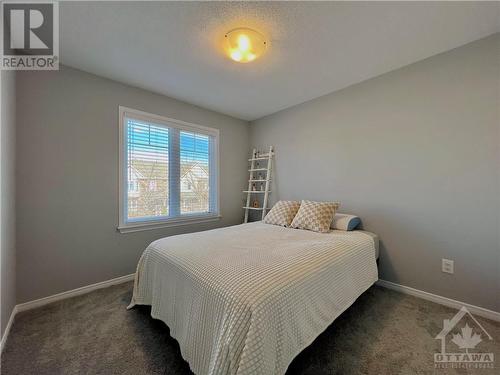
(345, 222)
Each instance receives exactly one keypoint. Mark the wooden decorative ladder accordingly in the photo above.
(259, 184)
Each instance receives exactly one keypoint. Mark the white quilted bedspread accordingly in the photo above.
(247, 299)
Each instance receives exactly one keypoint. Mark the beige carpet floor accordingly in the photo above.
(384, 332)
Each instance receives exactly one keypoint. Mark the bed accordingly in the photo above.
(247, 299)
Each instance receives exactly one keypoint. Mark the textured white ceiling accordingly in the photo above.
(315, 48)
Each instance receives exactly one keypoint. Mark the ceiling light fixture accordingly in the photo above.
(244, 45)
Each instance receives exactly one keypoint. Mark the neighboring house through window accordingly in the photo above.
(133, 185)
(168, 171)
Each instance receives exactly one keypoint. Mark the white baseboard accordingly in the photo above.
(475, 310)
(73, 293)
(60, 296)
(7, 328)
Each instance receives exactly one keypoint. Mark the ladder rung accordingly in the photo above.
(259, 180)
(255, 191)
(256, 159)
(257, 169)
(254, 208)
(259, 158)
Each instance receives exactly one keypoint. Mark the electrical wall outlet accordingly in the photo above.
(448, 266)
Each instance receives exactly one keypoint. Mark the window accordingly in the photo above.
(133, 185)
(168, 171)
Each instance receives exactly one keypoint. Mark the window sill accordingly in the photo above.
(137, 227)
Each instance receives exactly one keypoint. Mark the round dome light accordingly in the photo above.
(244, 45)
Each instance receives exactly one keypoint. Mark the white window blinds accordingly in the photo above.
(169, 169)
(147, 170)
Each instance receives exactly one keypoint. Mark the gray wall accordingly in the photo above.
(7, 194)
(415, 153)
(67, 178)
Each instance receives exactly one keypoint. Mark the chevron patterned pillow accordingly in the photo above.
(282, 213)
(315, 216)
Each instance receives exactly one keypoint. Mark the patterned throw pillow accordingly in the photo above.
(282, 213)
(315, 216)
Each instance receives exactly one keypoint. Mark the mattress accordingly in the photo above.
(376, 242)
(247, 299)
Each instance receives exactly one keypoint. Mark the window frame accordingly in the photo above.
(124, 225)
